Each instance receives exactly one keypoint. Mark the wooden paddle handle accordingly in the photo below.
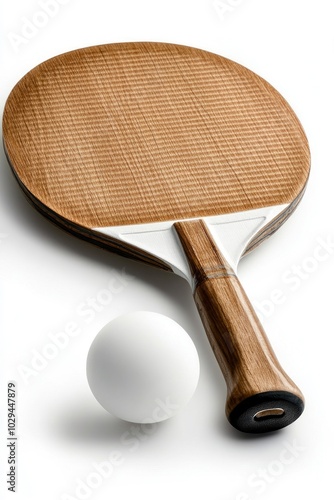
(260, 395)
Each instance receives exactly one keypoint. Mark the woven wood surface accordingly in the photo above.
(143, 132)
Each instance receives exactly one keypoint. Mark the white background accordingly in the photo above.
(47, 277)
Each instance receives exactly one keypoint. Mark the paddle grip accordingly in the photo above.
(260, 395)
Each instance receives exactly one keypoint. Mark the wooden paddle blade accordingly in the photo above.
(138, 133)
(260, 395)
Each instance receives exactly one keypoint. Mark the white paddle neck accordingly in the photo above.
(231, 233)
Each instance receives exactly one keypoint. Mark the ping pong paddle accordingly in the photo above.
(179, 158)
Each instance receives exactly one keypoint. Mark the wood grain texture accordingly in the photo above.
(238, 340)
(142, 132)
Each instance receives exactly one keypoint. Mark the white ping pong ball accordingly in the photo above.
(143, 367)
